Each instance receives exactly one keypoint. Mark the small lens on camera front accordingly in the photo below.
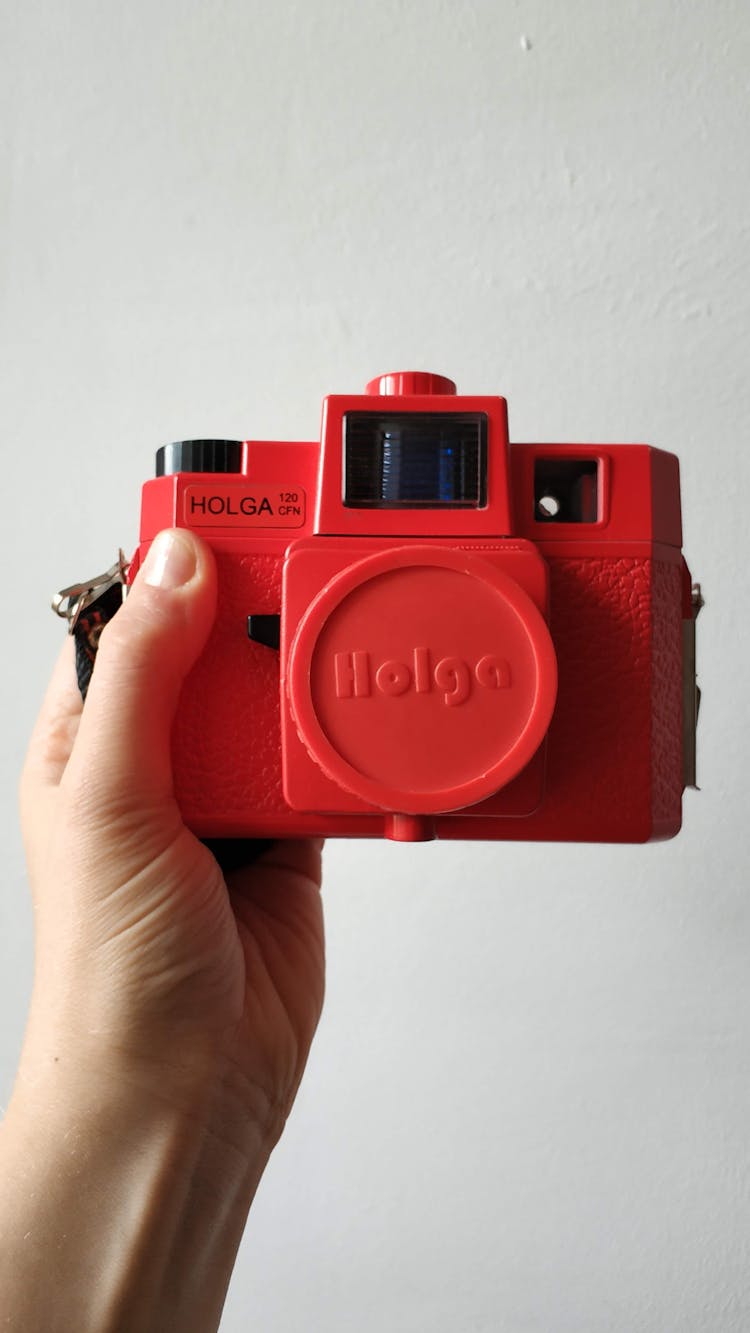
(409, 460)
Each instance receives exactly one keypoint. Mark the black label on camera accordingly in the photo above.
(224, 506)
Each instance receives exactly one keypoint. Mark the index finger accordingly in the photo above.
(56, 726)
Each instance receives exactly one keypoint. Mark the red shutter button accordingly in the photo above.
(422, 679)
(405, 382)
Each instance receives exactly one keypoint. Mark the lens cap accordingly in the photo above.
(421, 680)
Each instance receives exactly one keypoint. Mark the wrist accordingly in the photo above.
(120, 1201)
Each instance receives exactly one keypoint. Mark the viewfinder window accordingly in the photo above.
(566, 490)
(415, 460)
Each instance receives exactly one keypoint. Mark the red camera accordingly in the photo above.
(425, 631)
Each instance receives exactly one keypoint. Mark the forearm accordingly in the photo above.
(118, 1213)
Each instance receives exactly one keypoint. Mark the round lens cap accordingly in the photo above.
(422, 679)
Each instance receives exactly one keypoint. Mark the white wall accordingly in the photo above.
(528, 1106)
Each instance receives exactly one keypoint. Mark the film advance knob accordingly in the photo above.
(199, 456)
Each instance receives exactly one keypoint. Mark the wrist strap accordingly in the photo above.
(88, 607)
(87, 631)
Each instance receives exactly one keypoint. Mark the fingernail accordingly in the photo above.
(170, 561)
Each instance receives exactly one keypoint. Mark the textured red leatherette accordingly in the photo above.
(614, 755)
(226, 743)
(599, 753)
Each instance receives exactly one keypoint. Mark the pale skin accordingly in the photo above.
(173, 1007)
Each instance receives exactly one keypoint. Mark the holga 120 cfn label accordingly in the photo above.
(245, 506)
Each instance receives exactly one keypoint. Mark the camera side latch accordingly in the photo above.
(691, 695)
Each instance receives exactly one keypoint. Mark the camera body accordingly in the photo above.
(426, 631)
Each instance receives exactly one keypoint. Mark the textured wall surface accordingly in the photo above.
(528, 1105)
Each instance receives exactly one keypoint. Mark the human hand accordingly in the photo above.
(173, 1006)
(147, 955)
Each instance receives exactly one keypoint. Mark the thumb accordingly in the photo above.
(122, 752)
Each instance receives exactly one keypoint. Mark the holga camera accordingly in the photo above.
(424, 631)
